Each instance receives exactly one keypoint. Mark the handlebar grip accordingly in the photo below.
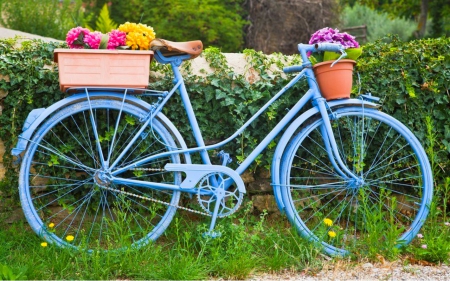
(294, 68)
(331, 47)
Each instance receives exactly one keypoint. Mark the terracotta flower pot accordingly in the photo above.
(103, 68)
(335, 82)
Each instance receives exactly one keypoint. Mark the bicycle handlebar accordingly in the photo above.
(331, 47)
(319, 47)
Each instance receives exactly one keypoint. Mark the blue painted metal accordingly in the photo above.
(190, 114)
(194, 173)
(330, 140)
(37, 116)
(283, 191)
(224, 157)
(310, 94)
(276, 160)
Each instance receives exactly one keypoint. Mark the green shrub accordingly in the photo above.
(413, 81)
(411, 78)
(27, 82)
(378, 24)
(216, 23)
(49, 18)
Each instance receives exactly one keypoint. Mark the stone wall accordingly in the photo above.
(2, 151)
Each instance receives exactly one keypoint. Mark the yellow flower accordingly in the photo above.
(139, 35)
(51, 225)
(69, 238)
(327, 222)
(331, 233)
(44, 244)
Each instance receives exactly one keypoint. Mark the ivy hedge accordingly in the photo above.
(412, 79)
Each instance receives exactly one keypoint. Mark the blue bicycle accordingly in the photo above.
(103, 168)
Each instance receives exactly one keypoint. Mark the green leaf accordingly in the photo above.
(353, 53)
(330, 56)
(104, 41)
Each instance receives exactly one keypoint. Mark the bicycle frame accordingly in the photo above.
(312, 94)
(37, 116)
(76, 184)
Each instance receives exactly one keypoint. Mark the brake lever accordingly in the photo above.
(343, 55)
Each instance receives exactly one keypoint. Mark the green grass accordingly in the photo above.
(246, 246)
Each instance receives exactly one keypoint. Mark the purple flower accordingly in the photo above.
(424, 246)
(330, 35)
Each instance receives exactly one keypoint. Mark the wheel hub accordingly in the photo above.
(356, 184)
(102, 178)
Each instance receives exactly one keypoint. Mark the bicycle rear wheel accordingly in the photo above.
(64, 190)
(387, 203)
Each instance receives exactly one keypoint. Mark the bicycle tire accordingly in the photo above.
(61, 195)
(340, 214)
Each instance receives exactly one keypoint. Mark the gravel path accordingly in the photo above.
(366, 271)
(10, 33)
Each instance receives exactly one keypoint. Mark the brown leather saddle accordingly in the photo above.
(169, 48)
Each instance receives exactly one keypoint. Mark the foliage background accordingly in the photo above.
(378, 23)
(436, 18)
(231, 25)
(411, 78)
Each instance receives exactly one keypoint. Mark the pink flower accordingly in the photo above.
(75, 37)
(424, 246)
(447, 223)
(93, 39)
(116, 38)
(419, 236)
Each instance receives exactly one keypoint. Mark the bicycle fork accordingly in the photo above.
(331, 145)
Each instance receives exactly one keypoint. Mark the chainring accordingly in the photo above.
(212, 185)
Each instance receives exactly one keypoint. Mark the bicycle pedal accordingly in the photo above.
(224, 157)
(212, 234)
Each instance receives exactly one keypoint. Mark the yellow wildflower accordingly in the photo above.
(51, 225)
(331, 233)
(44, 244)
(69, 238)
(327, 222)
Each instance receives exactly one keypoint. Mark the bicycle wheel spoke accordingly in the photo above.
(392, 185)
(65, 180)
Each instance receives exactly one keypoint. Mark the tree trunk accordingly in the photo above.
(422, 25)
(278, 26)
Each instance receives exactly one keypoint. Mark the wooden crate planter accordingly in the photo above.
(103, 68)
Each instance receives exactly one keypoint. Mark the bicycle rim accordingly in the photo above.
(63, 194)
(389, 201)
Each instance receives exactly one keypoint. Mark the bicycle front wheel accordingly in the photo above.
(64, 188)
(387, 203)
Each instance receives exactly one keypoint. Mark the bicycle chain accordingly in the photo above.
(153, 199)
